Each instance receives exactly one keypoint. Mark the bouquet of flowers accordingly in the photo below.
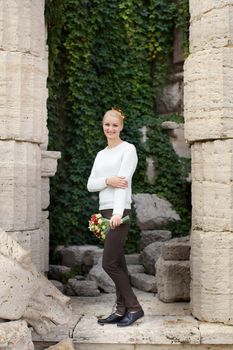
(100, 226)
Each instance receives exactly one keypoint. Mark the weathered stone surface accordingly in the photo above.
(198, 8)
(208, 29)
(20, 181)
(153, 212)
(173, 280)
(15, 335)
(132, 269)
(77, 255)
(25, 293)
(91, 257)
(44, 226)
(178, 48)
(49, 163)
(151, 236)
(26, 31)
(207, 78)
(171, 98)
(84, 288)
(212, 183)
(150, 255)
(147, 333)
(176, 135)
(102, 279)
(58, 285)
(177, 249)
(37, 242)
(144, 282)
(23, 95)
(132, 259)
(151, 172)
(215, 333)
(45, 200)
(56, 272)
(212, 275)
(66, 344)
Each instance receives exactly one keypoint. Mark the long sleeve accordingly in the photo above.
(127, 168)
(95, 184)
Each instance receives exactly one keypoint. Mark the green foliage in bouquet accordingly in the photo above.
(103, 53)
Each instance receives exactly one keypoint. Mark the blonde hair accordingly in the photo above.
(115, 112)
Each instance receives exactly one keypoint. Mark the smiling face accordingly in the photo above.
(112, 126)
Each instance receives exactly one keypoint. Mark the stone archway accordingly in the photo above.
(208, 98)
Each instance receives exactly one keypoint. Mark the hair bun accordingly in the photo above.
(119, 111)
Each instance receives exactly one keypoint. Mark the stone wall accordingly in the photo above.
(171, 98)
(209, 128)
(25, 165)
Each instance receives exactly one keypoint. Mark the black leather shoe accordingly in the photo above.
(113, 318)
(130, 318)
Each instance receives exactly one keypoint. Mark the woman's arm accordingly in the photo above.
(127, 169)
(96, 184)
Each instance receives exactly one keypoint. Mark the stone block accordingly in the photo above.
(132, 259)
(215, 333)
(212, 161)
(45, 199)
(49, 163)
(56, 272)
(25, 293)
(144, 282)
(175, 132)
(212, 183)
(171, 98)
(151, 236)
(213, 28)
(176, 249)
(26, 30)
(212, 206)
(58, 285)
(208, 95)
(132, 269)
(153, 212)
(91, 257)
(15, 335)
(84, 288)
(198, 8)
(20, 181)
(150, 255)
(173, 280)
(151, 173)
(66, 344)
(76, 255)
(151, 333)
(23, 93)
(37, 242)
(102, 279)
(212, 275)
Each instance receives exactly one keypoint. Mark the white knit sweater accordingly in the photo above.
(120, 160)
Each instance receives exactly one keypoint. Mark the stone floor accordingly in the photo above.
(164, 327)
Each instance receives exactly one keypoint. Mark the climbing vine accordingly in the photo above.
(102, 54)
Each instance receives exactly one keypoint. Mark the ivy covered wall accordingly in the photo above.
(106, 53)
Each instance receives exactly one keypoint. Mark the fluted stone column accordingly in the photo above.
(24, 187)
(209, 128)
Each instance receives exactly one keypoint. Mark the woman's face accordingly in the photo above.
(112, 127)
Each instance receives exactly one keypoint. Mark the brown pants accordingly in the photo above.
(115, 265)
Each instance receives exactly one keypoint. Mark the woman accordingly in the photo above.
(111, 176)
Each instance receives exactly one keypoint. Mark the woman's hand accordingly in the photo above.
(115, 221)
(117, 181)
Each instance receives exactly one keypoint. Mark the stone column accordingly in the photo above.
(208, 101)
(23, 130)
